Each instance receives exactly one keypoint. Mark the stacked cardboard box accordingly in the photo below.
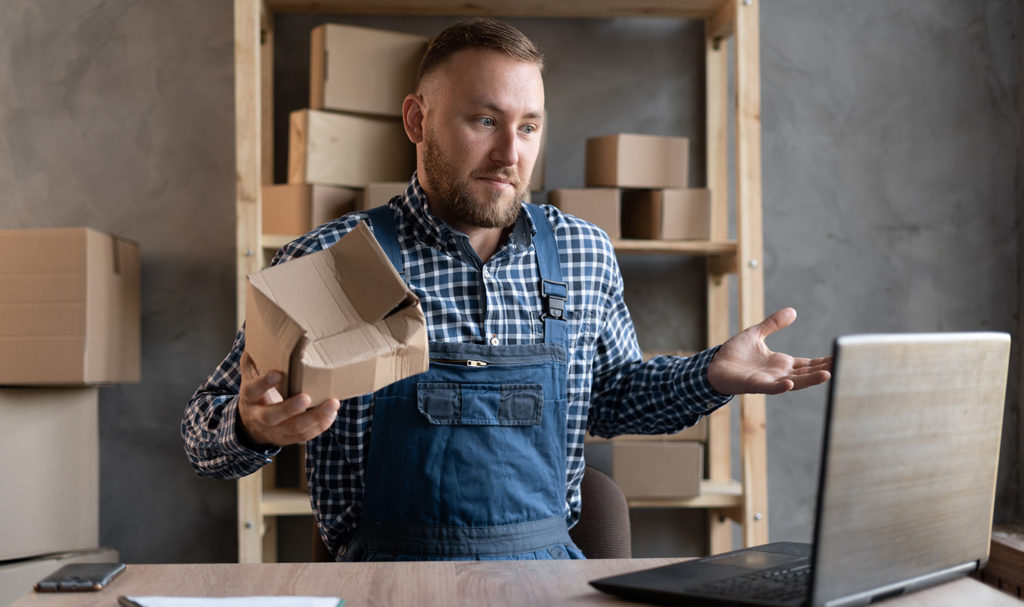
(653, 466)
(71, 322)
(351, 138)
(637, 188)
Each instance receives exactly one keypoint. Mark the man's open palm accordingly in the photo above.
(745, 365)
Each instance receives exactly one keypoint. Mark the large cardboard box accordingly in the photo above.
(49, 446)
(339, 322)
(18, 577)
(347, 150)
(637, 161)
(671, 214)
(70, 307)
(358, 69)
(651, 469)
(377, 194)
(296, 208)
(599, 206)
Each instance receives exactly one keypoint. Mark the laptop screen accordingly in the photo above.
(910, 458)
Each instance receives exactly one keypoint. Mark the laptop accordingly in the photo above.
(906, 490)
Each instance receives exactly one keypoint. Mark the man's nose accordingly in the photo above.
(505, 151)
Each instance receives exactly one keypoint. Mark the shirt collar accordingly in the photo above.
(422, 224)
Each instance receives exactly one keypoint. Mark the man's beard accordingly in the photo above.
(455, 204)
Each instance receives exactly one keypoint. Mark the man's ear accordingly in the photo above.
(413, 110)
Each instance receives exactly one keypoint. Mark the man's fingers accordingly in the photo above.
(279, 413)
(806, 380)
(779, 320)
(255, 387)
(310, 423)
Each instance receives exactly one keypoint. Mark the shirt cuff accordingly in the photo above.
(695, 381)
(232, 442)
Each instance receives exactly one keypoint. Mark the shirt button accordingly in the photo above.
(487, 273)
(494, 341)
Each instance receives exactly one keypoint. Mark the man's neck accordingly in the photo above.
(485, 241)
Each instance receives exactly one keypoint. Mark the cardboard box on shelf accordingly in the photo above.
(18, 577)
(637, 161)
(669, 214)
(347, 150)
(376, 194)
(49, 443)
(70, 308)
(599, 206)
(339, 322)
(296, 208)
(358, 69)
(651, 469)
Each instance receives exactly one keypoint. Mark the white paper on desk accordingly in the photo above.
(236, 601)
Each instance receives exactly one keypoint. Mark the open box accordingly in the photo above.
(338, 323)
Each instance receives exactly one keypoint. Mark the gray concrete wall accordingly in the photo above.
(120, 116)
(891, 137)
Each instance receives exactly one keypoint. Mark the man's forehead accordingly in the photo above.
(486, 103)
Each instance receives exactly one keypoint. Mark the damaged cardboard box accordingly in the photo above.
(338, 323)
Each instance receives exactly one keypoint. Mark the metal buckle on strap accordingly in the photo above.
(555, 294)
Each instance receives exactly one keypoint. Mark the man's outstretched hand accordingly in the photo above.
(745, 365)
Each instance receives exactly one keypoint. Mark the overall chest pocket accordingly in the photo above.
(455, 404)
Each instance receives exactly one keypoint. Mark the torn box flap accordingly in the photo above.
(367, 276)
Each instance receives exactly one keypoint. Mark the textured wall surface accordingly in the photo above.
(890, 151)
(120, 116)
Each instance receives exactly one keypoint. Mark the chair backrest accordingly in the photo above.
(320, 552)
(603, 531)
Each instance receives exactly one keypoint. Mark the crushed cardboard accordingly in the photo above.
(338, 323)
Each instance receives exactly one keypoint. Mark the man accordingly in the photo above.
(531, 345)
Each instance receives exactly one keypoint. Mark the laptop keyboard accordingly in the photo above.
(780, 584)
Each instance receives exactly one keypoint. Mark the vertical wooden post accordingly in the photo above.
(717, 136)
(248, 177)
(751, 275)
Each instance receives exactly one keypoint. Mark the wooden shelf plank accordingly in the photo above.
(286, 502)
(677, 247)
(510, 8)
(276, 241)
(714, 494)
(686, 247)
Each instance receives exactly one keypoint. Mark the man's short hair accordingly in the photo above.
(478, 33)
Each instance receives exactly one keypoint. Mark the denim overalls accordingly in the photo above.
(467, 460)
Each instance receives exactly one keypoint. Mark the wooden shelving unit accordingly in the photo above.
(726, 499)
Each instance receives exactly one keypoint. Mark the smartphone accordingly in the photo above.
(79, 577)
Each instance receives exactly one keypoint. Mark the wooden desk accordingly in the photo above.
(446, 584)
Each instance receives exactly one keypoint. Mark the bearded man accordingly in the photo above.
(479, 461)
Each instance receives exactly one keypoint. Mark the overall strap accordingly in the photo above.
(553, 289)
(382, 221)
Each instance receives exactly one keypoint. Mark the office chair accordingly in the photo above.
(602, 532)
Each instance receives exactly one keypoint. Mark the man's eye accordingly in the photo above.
(486, 121)
(529, 129)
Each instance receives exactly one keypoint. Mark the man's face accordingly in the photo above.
(481, 130)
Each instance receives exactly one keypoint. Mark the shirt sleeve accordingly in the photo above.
(662, 395)
(208, 426)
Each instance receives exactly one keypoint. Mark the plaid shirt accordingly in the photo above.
(610, 391)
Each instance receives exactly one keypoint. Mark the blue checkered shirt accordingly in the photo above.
(610, 390)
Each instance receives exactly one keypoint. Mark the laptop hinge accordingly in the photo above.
(891, 590)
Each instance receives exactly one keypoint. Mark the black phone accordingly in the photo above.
(79, 577)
